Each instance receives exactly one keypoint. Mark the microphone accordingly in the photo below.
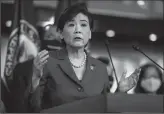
(137, 48)
(106, 44)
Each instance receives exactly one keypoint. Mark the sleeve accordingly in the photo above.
(2, 107)
(36, 97)
(19, 85)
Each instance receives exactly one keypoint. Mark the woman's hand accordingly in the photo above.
(39, 61)
(128, 83)
(38, 64)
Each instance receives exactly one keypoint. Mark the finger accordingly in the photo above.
(40, 56)
(136, 73)
(134, 80)
(44, 58)
(124, 75)
(131, 82)
(137, 70)
(42, 53)
(135, 76)
(39, 61)
(43, 63)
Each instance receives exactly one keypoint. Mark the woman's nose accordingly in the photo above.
(78, 29)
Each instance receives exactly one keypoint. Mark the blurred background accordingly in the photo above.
(123, 23)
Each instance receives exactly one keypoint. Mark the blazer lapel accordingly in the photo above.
(66, 67)
(91, 66)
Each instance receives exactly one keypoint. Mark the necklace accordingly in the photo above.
(82, 63)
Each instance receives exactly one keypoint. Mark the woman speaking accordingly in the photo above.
(70, 74)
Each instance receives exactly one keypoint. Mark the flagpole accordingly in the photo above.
(18, 19)
(17, 4)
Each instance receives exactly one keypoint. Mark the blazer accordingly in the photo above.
(60, 85)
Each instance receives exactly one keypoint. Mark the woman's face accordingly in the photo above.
(151, 81)
(77, 32)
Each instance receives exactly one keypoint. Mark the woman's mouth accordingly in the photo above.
(78, 38)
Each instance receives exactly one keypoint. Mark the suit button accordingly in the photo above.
(80, 89)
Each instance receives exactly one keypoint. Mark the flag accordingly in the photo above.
(23, 45)
(24, 42)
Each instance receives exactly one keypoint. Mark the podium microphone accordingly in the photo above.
(137, 48)
(106, 44)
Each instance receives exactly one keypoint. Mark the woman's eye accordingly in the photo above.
(83, 25)
(71, 25)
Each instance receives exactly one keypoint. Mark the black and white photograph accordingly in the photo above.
(82, 56)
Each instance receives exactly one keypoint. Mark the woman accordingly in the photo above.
(150, 80)
(69, 74)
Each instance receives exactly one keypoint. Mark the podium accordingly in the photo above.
(87, 105)
(113, 103)
(135, 103)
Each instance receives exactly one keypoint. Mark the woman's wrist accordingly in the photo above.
(37, 74)
(121, 89)
(34, 85)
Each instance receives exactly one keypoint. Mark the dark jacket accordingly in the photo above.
(60, 85)
(2, 107)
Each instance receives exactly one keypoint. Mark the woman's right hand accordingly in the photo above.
(39, 61)
(38, 64)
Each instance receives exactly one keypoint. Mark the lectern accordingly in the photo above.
(135, 103)
(88, 105)
(113, 103)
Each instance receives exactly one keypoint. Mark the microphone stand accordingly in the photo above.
(138, 49)
(106, 44)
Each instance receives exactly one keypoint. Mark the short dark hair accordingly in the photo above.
(71, 12)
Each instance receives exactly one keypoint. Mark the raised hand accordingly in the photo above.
(128, 83)
(38, 64)
(39, 61)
